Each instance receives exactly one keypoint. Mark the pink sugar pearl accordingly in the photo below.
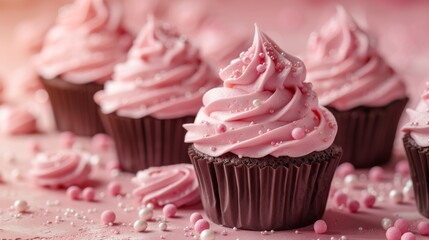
(114, 188)
(353, 206)
(108, 216)
(201, 225)
(393, 233)
(368, 200)
(34, 147)
(67, 139)
(73, 192)
(403, 168)
(298, 133)
(169, 210)
(376, 174)
(345, 169)
(423, 228)
(195, 217)
(100, 141)
(88, 194)
(408, 236)
(340, 199)
(320, 227)
(402, 224)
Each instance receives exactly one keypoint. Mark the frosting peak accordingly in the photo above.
(264, 108)
(346, 69)
(163, 77)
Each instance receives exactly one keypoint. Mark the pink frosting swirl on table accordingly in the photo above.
(264, 108)
(346, 69)
(16, 120)
(85, 44)
(163, 77)
(61, 168)
(418, 125)
(176, 184)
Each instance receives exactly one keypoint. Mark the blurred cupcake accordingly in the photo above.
(365, 95)
(77, 57)
(152, 94)
(416, 144)
(263, 141)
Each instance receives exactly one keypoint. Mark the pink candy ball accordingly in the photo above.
(353, 206)
(376, 174)
(67, 139)
(393, 233)
(403, 168)
(88, 194)
(108, 216)
(408, 236)
(195, 217)
(340, 199)
(298, 133)
(114, 188)
(201, 225)
(169, 210)
(73, 192)
(423, 228)
(320, 227)
(402, 224)
(369, 200)
(345, 169)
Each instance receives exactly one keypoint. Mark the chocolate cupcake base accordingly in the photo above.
(418, 157)
(146, 142)
(265, 194)
(366, 134)
(74, 107)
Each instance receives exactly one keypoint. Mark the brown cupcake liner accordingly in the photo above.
(265, 194)
(146, 142)
(74, 107)
(366, 134)
(418, 157)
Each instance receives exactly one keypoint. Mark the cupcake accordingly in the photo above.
(365, 95)
(416, 144)
(262, 145)
(77, 57)
(152, 94)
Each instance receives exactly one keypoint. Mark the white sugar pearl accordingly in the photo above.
(145, 214)
(351, 180)
(150, 205)
(140, 225)
(386, 223)
(162, 226)
(396, 196)
(408, 192)
(20, 205)
(207, 235)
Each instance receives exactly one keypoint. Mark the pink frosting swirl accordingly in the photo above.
(418, 125)
(16, 120)
(346, 69)
(163, 77)
(60, 169)
(264, 108)
(176, 184)
(85, 44)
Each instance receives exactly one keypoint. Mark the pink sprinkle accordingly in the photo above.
(114, 188)
(88, 194)
(423, 228)
(195, 217)
(73, 192)
(298, 133)
(408, 236)
(34, 147)
(201, 225)
(369, 200)
(221, 128)
(403, 168)
(169, 210)
(376, 174)
(67, 139)
(340, 199)
(345, 169)
(320, 227)
(393, 233)
(100, 141)
(402, 224)
(108, 216)
(353, 206)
